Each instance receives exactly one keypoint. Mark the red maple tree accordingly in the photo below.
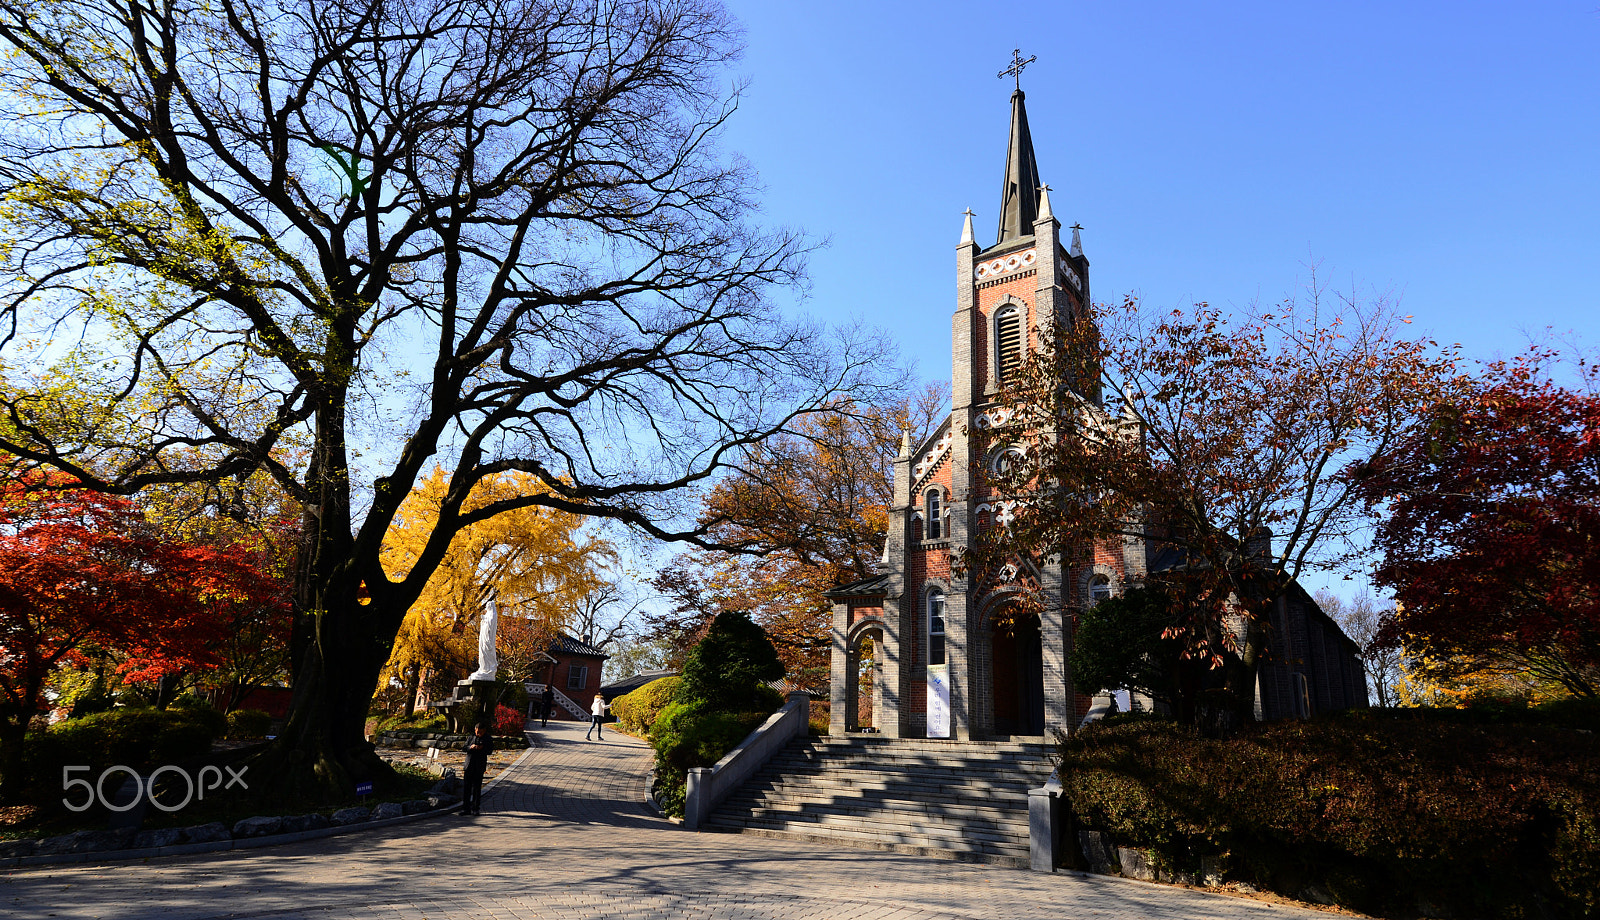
(81, 570)
(1492, 542)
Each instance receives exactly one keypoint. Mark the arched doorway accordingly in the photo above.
(865, 693)
(1017, 675)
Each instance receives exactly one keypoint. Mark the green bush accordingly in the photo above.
(1384, 811)
(1117, 644)
(419, 722)
(137, 738)
(248, 723)
(637, 710)
(190, 701)
(729, 668)
(691, 735)
(721, 697)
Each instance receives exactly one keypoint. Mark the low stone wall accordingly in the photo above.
(708, 786)
(442, 796)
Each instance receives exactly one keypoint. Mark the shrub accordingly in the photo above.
(248, 723)
(508, 721)
(419, 722)
(1382, 811)
(137, 738)
(1117, 643)
(190, 701)
(638, 710)
(690, 735)
(721, 697)
(730, 667)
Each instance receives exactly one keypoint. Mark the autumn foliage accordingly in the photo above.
(1223, 448)
(805, 512)
(1491, 542)
(535, 563)
(83, 572)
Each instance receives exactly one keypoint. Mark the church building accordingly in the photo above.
(947, 661)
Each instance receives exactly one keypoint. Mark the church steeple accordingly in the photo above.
(1019, 198)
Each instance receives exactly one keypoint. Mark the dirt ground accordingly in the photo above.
(499, 760)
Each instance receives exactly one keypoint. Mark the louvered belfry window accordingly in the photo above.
(1008, 343)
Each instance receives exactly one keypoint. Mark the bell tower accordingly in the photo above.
(943, 668)
(1006, 295)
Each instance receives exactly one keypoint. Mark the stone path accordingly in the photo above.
(564, 835)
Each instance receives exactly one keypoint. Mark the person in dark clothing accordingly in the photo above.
(478, 751)
(548, 700)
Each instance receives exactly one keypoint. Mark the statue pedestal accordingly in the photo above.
(484, 696)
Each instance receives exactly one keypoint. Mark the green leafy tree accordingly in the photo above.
(730, 667)
(1120, 643)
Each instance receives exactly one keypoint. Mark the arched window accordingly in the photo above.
(933, 509)
(1008, 342)
(1099, 589)
(936, 627)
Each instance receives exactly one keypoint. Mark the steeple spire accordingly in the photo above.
(1019, 198)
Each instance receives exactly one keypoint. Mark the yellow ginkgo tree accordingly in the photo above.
(537, 564)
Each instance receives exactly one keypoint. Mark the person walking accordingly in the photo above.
(478, 751)
(548, 699)
(597, 711)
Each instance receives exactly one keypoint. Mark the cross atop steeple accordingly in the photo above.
(1017, 63)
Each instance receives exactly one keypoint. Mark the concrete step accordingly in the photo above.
(978, 831)
(930, 843)
(890, 780)
(1019, 772)
(837, 840)
(959, 800)
(798, 797)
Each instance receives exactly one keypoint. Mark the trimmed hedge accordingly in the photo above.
(137, 738)
(637, 710)
(693, 735)
(1381, 812)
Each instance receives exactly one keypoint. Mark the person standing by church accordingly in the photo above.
(597, 711)
(478, 751)
(547, 702)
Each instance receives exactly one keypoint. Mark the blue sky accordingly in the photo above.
(1445, 153)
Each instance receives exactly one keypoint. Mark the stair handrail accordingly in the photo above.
(708, 786)
(566, 703)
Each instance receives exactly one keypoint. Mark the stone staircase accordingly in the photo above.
(956, 799)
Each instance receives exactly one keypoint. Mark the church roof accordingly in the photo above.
(1019, 197)
(866, 587)
(566, 645)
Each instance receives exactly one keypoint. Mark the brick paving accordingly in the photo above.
(564, 835)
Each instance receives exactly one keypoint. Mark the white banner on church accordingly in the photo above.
(938, 701)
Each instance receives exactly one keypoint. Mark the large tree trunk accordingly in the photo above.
(342, 639)
(413, 684)
(322, 751)
(13, 732)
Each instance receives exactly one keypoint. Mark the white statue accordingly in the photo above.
(488, 629)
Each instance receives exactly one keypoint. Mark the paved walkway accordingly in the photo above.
(564, 836)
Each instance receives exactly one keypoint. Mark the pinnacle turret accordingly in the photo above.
(1019, 196)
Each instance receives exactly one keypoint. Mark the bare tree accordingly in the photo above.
(1360, 618)
(389, 233)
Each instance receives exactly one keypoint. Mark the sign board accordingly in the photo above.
(364, 788)
(938, 701)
